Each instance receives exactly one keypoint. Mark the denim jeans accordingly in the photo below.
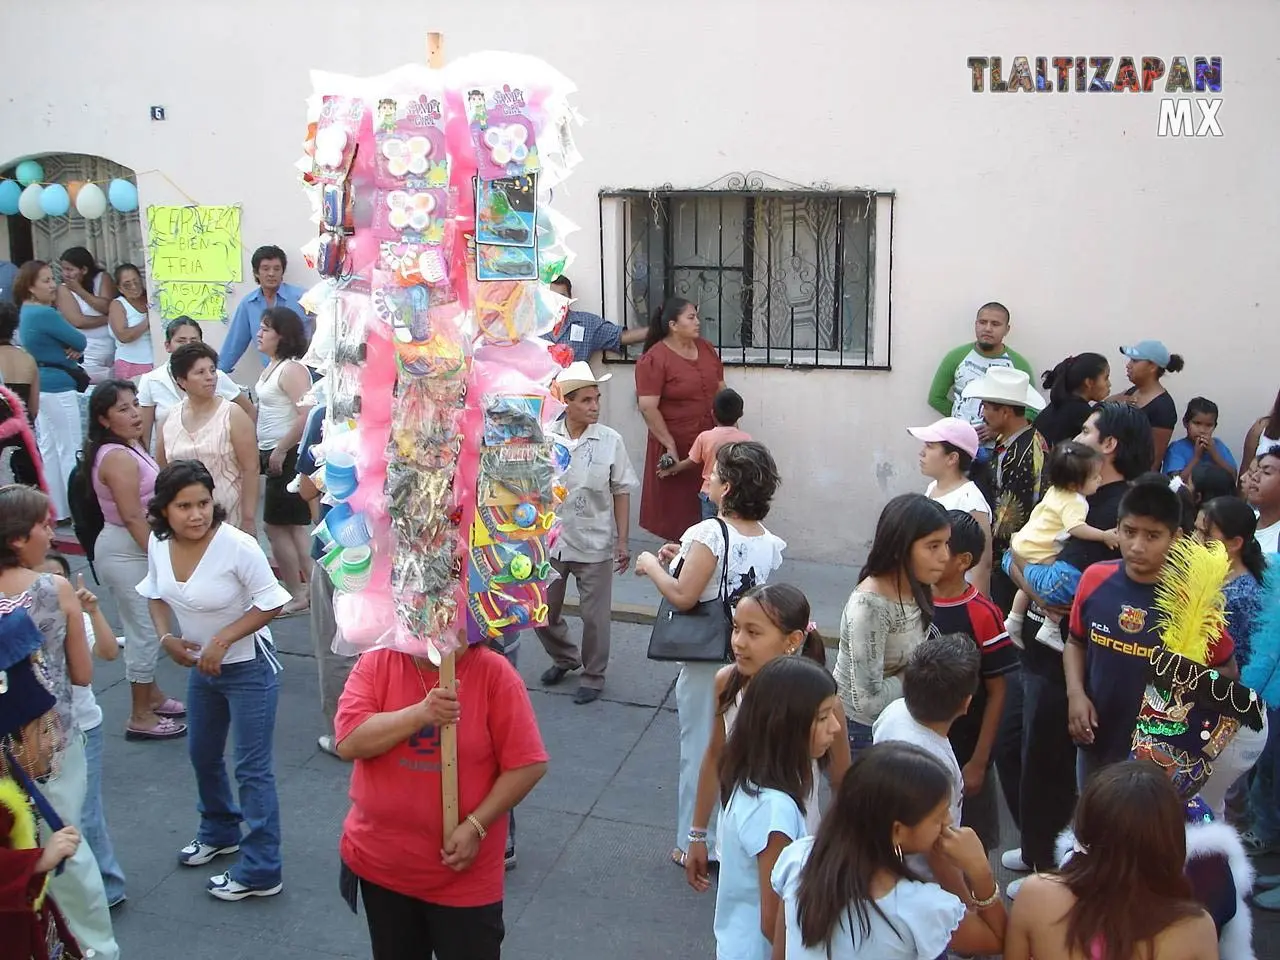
(509, 646)
(93, 819)
(241, 701)
(1264, 794)
(859, 737)
(696, 710)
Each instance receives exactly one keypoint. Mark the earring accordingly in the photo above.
(897, 851)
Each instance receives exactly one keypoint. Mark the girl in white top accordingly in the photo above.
(103, 643)
(218, 582)
(770, 621)
(742, 485)
(848, 892)
(789, 718)
(130, 325)
(288, 518)
(946, 459)
(84, 297)
(890, 610)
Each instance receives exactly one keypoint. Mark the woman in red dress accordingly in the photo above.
(677, 377)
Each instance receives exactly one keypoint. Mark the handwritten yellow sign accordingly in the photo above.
(194, 244)
(199, 301)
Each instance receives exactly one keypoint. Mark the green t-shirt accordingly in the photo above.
(961, 367)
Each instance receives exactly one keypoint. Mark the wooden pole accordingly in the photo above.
(448, 676)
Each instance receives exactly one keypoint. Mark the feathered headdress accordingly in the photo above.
(1189, 598)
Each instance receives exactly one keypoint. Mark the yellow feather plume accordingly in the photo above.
(1189, 596)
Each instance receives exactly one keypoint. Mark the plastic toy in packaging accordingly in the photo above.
(503, 131)
(337, 134)
(411, 214)
(409, 134)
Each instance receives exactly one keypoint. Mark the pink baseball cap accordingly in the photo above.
(950, 430)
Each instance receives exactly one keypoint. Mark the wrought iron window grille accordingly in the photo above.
(783, 275)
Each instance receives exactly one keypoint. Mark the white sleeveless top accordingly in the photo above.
(100, 351)
(136, 351)
(276, 412)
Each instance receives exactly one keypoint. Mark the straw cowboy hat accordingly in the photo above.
(1005, 385)
(578, 375)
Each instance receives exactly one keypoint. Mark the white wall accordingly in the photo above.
(1066, 207)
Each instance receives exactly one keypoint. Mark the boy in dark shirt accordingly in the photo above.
(960, 609)
(1115, 629)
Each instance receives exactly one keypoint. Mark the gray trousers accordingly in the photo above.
(324, 628)
(595, 605)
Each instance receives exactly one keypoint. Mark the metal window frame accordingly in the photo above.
(752, 187)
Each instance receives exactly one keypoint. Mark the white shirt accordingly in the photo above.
(84, 705)
(966, 498)
(599, 469)
(1269, 538)
(135, 351)
(921, 917)
(157, 388)
(231, 578)
(896, 723)
(751, 559)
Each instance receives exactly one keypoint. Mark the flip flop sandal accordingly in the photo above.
(170, 708)
(166, 729)
(677, 857)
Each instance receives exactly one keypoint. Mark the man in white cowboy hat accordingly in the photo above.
(599, 482)
(1017, 463)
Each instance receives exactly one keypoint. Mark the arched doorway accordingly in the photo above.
(113, 239)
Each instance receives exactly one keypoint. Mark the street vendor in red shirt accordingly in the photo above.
(424, 891)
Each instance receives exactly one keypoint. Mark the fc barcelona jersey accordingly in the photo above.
(1117, 621)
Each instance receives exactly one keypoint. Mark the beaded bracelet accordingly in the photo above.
(697, 836)
(471, 819)
(988, 902)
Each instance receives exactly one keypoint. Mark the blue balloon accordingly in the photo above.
(55, 201)
(10, 191)
(123, 196)
(29, 172)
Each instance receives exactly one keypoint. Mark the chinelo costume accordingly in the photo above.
(31, 928)
(1190, 713)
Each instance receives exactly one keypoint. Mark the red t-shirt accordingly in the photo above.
(394, 832)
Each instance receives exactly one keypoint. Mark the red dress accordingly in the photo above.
(685, 390)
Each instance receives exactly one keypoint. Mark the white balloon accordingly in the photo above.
(91, 202)
(29, 203)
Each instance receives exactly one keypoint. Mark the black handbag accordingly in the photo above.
(700, 634)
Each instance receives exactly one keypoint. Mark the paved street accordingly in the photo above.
(593, 879)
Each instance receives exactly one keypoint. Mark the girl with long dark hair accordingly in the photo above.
(789, 718)
(123, 477)
(84, 299)
(1123, 892)
(770, 621)
(850, 891)
(1231, 522)
(1074, 386)
(1262, 436)
(890, 610)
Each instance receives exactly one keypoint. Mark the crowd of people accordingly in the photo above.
(996, 644)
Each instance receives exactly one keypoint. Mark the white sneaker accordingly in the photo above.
(1050, 634)
(1012, 860)
(1011, 891)
(197, 854)
(224, 888)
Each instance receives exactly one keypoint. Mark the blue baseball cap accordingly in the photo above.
(1152, 350)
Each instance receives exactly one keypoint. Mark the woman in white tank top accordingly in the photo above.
(283, 383)
(130, 325)
(84, 297)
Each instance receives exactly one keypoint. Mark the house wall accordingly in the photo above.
(1067, 207)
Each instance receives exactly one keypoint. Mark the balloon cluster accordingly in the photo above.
(29, 196)
(436, 239)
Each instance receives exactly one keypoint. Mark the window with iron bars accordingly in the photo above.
(788, 278)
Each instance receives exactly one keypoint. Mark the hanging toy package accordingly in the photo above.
(436, 238)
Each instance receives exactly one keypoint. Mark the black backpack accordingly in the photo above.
(86, 513)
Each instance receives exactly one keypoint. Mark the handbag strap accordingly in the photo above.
(724, 562)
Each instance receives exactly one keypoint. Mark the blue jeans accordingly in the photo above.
(709, 510)
(509, 646)
(1264, 792)
(859, 737)
(241, 701)
(93, 819)
(1054, 583)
